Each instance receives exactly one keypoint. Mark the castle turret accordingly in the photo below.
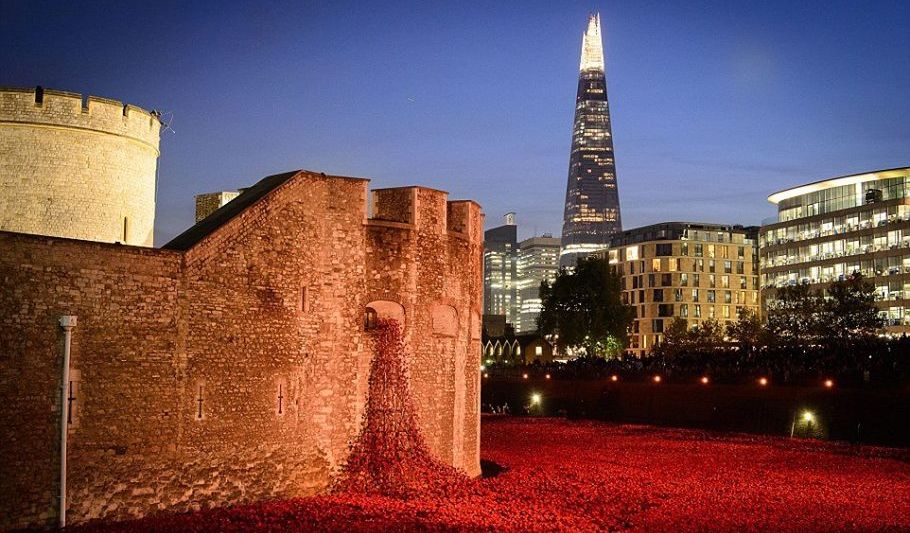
(77, 169)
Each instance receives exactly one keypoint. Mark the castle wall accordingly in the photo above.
(78, 172)
(122, 367)
(235, 371)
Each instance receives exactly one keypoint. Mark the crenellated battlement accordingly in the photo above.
(81, 168)
(61, 109)
(429, 210)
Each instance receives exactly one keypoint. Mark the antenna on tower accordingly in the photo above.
(165, 122)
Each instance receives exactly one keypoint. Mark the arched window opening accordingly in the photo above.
(382, 310)
(370, 318)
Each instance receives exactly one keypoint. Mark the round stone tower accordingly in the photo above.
(77, 170)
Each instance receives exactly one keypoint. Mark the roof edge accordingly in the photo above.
(779, 196)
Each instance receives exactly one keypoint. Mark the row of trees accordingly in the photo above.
(583, 310)
(798, 317)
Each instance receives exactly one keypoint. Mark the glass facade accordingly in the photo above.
(828, 230)
(592, 213)
(500, 258)
(538, 260)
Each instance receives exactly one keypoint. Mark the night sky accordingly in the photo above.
(715, 105)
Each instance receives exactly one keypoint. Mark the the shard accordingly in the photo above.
(592, 198)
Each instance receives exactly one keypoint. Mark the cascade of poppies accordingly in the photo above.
(390, 456)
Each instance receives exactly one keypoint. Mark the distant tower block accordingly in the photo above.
(208, 203)
(82, 172)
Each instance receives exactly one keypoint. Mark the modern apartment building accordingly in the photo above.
(829, 229)
(500, 258)
(688, 270)
(538, 260)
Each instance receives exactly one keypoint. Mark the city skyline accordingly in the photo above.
(712, 106)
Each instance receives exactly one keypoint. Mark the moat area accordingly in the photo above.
(548, 473)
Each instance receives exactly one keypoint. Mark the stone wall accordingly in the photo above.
(84, 171)
(236, 370)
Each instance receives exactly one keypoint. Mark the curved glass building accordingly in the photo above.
(829, 229)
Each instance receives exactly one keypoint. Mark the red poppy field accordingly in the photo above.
(552, 474)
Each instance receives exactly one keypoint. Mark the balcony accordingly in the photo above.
(836, 230)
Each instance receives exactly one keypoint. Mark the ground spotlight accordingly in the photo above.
(535, 399)
(483, 367)
(656, 379)
(829, 383)
(705, 380)
(547, 376)
(808, 416)
(762, 381)
(525, 376)
(486, 375)
(614, 377)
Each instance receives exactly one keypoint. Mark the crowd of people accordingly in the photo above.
(873, 363)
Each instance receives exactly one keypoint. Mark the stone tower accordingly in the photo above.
(592, 198)
(77, 169)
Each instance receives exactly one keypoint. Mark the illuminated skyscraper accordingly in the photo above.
(592, 198)
(538, 260)
(499, 269)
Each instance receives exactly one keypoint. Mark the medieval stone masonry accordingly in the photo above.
(232, 364)
(77, 169)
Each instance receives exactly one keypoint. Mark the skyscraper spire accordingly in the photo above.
(592, 50)
(592, 198)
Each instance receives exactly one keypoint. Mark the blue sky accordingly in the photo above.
(715, 104)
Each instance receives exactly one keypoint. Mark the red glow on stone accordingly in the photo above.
(390, 456)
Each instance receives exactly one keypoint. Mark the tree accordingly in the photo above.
(849, 311)
(583, 309)
(795, 315)
(677, 338)
(846, 313)
(708, 335)
(748, 330)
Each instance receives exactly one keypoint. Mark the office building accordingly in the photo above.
(827, 230)
(591, 213)
(500, 258)
(538, 260)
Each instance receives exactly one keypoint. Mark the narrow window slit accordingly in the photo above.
(70, 399)
(199, 400)
(280, 399)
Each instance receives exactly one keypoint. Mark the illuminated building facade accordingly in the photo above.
(684, 270)
(500, 258)
(830, 229)
(538, 260)
(592, 198)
